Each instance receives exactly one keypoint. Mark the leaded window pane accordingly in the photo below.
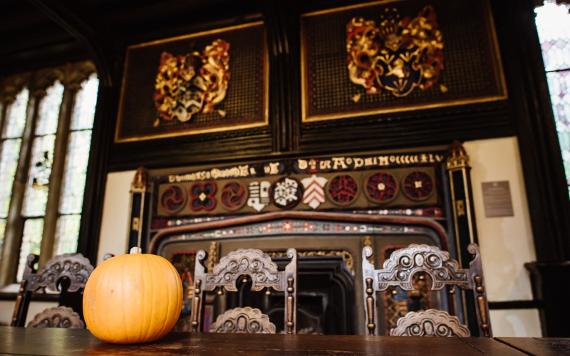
(31, 242)
(49, 110)
(553, 25)
(16, 116)
(35, 198)
(84, 108)
(10, 153)
(67, 232)
(2, 230)
(559, 84)
(75, 172)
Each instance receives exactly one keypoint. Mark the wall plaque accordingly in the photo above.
(497, 199)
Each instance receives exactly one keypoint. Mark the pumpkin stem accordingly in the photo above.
(135, 250)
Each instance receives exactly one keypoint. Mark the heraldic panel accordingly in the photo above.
(398, 55)
(204, 82)
(354, 182)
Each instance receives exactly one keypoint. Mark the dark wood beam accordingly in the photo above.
(80, 30)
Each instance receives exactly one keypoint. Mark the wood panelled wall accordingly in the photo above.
(526, 113)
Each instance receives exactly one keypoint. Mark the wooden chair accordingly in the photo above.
(66, 273)
(243, 320)
(399, 271)
(263, 273)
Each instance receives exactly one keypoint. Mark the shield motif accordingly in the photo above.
(314, 191)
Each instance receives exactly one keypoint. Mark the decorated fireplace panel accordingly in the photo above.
(405, 180)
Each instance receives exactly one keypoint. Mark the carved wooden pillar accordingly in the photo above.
(139, 202)
(465, 230)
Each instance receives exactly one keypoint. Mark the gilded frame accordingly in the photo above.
(263, 121)
(497, 67)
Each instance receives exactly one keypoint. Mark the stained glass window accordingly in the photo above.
(36, 193)
(10, 142)
(71, 201)
(31, 241)
(553, 25)
(57, 155)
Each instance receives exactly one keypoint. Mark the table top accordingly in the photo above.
(28, 341)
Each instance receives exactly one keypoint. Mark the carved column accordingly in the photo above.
(464, 228)
(139, 201)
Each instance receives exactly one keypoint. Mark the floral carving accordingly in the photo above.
(342, 189)
(431, 322)
(251, 262)
(57, 317)
(203, 196)
(234, 195)
(381, 187)
(192, 83)
(72, 266)
(418, 185)
(173, 198)
(243, 320)
(404, 263)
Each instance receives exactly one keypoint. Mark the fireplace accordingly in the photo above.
(329, 247)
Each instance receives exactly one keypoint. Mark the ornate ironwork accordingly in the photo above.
(72, 266)
(57, 317)
(431, 322)
(398, 55)
(243, 320)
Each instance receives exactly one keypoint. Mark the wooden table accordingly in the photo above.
(24, 341)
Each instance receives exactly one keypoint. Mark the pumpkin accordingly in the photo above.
(132, 298)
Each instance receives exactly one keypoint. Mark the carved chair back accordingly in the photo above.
(57, 317)
(263, 273)
(66, 273)
(399, 270)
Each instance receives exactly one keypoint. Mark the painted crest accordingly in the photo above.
(398, 56)
(192, 83)
(286, 193)
(314, 191)
(258, 195)
(203, 196)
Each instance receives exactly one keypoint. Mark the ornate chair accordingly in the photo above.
(263, 273)
(399, 271)
(66, 273)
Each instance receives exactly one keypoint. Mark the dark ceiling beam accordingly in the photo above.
(81, 31)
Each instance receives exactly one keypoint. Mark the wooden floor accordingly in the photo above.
(26, 341)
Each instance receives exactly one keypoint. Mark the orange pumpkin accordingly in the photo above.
(132, 298)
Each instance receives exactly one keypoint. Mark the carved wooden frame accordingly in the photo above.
(431, 322)
(259, 267)
(403, 264)
(57, 317)
(72, 266)
(255, 322)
